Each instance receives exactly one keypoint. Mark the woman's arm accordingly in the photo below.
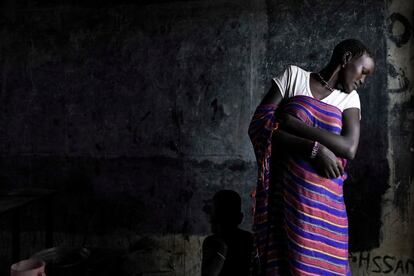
(273, 96)
(288, 141)
(325, 160)
(344, 145)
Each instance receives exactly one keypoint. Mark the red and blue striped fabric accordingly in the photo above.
(300, 220)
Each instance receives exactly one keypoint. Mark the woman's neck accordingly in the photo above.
(330, 73)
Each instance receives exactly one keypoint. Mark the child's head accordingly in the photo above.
(226, 210)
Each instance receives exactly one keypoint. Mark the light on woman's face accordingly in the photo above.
(356, 71)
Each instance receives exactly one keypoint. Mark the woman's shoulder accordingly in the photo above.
(353, 95)
(294, 68)
(344, 100)
(295, 72)
(353, 99)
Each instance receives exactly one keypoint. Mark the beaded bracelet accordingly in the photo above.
(315, 150)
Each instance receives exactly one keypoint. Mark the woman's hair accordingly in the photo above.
(354, 46)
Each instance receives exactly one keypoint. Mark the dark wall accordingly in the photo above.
(138, 113)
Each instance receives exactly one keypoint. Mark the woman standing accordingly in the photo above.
(303, 132)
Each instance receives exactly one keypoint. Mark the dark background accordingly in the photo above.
(137, 112)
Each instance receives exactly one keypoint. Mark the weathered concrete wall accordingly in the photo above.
(137, 114)
(395, 253)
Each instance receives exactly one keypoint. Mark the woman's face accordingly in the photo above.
(355, 71)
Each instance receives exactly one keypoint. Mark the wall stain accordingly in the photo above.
(398, 39)
(403, 136)
(404, 81)
(218, 111)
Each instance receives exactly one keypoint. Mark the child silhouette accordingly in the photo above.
(228, 251)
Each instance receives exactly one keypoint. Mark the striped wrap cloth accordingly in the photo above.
(300, 221)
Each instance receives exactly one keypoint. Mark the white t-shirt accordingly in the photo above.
(295, 81)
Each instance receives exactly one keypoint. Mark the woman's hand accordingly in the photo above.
(325, 161)
(327, 164)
